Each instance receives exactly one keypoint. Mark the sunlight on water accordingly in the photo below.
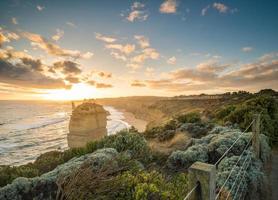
(28, 129)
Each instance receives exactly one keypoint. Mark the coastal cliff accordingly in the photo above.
(88, 122)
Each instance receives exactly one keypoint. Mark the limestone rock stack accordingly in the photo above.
(88, 122)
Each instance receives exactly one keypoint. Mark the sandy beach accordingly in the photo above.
(139, 124)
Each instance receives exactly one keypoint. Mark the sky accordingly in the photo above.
(91, 49)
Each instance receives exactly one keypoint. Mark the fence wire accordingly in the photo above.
(227, 151)
(191, 191)
(234, 167)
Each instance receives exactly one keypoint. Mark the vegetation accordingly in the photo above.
(125, 180)
(168, 130)
(122, 166)
(242, 114)
(123, 141)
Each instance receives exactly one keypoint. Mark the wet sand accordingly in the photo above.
(139, 124)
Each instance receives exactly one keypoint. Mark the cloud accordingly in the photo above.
(168, 6)
(40, 8)
(105, 38)
(137, 5)
(149, 71)
(99, 85)
(134, 66)
(12, 54)
(87, 55)
(127, 49)
(211, 75)
(26, 76)
(14, 20)
(59, 34)
(148, 53)
(105, 74)
(137, 12)
(268, 56)
(137, 83)
(53, 49)
(91, 82)
(118, 56)
(72, 79)
(128, 53)
(172, 60)
(222, 8)
(32, 63)
(137, 15)
(247, 49)
(142, 41)
(204, 10)
(71, 24)
(103, 85)
(67, 67)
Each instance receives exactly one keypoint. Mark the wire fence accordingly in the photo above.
(243, 167)
(234, 167)
(191, 191)
(228, 150)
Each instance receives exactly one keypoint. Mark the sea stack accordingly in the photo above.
(88, 122)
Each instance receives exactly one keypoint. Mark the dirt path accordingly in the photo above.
(273, 178)
(179, 142)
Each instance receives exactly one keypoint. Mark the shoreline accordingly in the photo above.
(130, 118)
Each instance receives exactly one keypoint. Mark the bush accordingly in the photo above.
(44, 186)
(242, 114)
(184, 159)
(122, 141)
(196, 129)
(48, 161)
(192, 117)
(250, 180)
(8, 174)
(122, 183)
(166, 135)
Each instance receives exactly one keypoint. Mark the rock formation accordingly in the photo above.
(88, 122)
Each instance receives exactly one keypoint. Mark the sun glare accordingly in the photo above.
(77, 92)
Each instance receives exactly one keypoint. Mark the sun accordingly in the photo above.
(78, 91)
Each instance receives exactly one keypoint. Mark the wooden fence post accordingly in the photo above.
(204, 175)
(256, 135)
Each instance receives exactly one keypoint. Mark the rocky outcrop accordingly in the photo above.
(88, 122)
(45, 187)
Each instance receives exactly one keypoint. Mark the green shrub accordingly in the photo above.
(242, 114)
(192, 117)
(122, 141)
(196, 129)
(166, 135)
(183, 159)
(114, 184)
(48, 161)
(8, 174)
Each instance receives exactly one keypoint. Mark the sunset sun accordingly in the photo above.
(78, 91)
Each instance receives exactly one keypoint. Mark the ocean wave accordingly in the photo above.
(47, 122)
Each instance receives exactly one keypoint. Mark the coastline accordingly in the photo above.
(139, 124)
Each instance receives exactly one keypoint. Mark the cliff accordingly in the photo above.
(88, 122)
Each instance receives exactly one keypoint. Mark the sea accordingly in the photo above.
(31, 128)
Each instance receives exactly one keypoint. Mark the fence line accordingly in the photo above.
(241, 155)
(249, 162)
(233, 185)
(242, 167)
(191, 191)
(227, 151)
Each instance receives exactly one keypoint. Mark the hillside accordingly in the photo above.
(157, 110)
(153, 164)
